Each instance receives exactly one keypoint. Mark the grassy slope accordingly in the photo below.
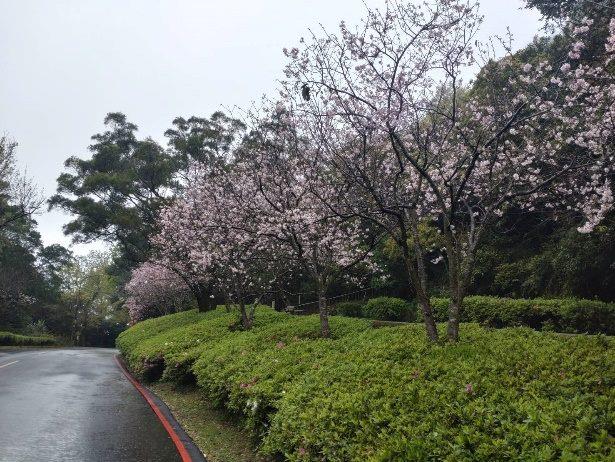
(10, 339)
(384, 394)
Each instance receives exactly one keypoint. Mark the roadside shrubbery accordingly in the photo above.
(386, 394)
(560, 315)
(351, 309)
(379, 308)
(10, 339)
(389, 309)
(567, 315)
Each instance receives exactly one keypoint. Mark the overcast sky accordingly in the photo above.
(64, 64)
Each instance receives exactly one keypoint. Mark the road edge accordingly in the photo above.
(187, 449)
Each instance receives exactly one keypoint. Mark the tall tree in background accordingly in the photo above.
(52, 260)
(87, 296)
(116, 194)
(208, 143)
(26, 294)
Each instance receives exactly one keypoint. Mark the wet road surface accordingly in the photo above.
(75, 405)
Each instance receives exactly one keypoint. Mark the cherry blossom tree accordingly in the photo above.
(173, 250)
(245, 261)
(154, 290)
(244, 226)
(293, 191)
(386, 104)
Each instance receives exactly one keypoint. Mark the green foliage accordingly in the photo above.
(504, 395)
(548, 260)
(352, 309)
(37, 328)
(115, 194)
(562, 10)
(429, 238)
(560, 315)
(91, 316)
(207, 141)
(386, 394)
(9, 339)
(29, 282)
(389, 309)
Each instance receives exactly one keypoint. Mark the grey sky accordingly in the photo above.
(64, 64)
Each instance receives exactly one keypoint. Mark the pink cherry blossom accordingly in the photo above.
(154, 290)
(412, 146)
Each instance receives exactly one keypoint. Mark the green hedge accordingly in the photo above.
(380, 308)
(10, 339)
(389, 309)
(385, 394)
(352, 309)
(560, 315)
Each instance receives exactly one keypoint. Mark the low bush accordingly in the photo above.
(560, 315)
(389, 309)
(512, 394)
(386, 395)
(351, 309)
(10, 339)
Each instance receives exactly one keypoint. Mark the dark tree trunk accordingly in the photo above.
(454, 314)
(458, 286)
(454, 306)
(418, 281)
(430, 323)
(248, 313)
(247, 319)
(460, 271)
(323, 310)
(203, 301)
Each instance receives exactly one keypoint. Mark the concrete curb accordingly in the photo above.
(186, 448)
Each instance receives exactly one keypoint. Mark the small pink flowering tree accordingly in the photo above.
(228, 241)
(415, 147)
(293, 191)
(154, 290)
(173, 250)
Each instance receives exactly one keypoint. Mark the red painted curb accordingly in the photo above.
(183, 452)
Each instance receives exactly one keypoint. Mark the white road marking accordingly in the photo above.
(8, 364)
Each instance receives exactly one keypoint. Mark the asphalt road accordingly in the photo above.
(75, 405)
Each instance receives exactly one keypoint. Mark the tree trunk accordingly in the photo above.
(459, 282)
(202, 300)
(325, 331)
(454, 314)
(246, 319)
(422, 297)
(418, 276)
(459, 279)
(430, 323)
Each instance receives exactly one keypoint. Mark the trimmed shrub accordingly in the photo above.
(559, 315)
(511, 394)
(387, 395)
(10, 339)
(351, 309)
(389, 309)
